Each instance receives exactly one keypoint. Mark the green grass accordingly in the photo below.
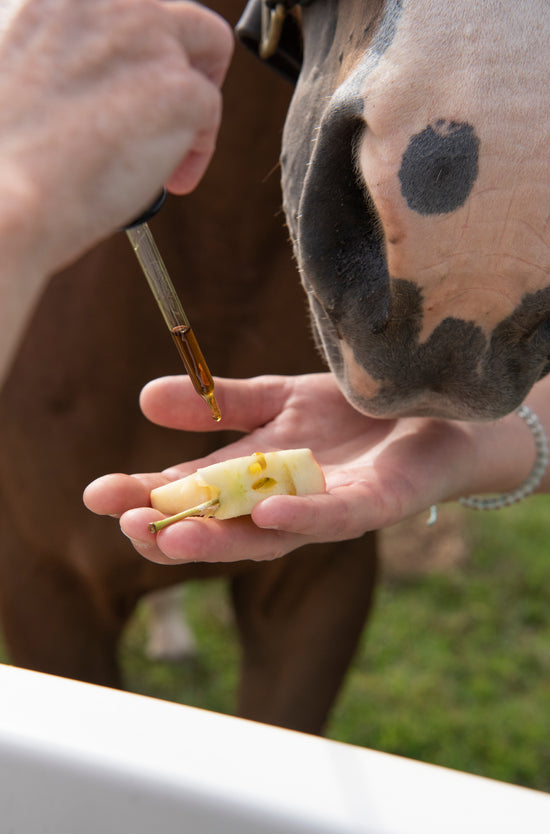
(210, 681)
(454, 668)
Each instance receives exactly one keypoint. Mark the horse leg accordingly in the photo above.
(52, 623)
(300, 619)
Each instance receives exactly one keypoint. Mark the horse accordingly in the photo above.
(69, 582)
(415, 179)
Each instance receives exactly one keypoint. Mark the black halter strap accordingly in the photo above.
(288, 4)
(267, 28)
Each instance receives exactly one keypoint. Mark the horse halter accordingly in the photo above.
(268, 29)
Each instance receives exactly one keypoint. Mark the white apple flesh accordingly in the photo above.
(233, 487)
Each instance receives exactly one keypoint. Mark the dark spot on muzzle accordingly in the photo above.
(439, 167)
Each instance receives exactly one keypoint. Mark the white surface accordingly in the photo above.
(77, 759)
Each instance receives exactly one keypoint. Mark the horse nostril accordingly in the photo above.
(341, 242)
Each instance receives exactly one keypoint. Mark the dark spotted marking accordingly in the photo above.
(439, 167)
(463, 373)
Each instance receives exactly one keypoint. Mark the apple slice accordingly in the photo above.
(233, 487)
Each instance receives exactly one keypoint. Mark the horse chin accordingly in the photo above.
(382, 399)
(390, 404)
(393, 407)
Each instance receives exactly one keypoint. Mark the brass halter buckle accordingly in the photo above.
(272, 27)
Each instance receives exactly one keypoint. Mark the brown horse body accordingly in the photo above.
(68, 580)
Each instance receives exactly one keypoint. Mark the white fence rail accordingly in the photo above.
(80, 759)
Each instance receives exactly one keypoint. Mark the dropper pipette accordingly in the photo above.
(170, 306)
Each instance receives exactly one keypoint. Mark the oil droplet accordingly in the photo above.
(213, 406)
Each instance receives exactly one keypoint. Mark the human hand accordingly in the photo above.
(100, 104)
(377, 471)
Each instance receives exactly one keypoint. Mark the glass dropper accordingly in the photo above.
(170, 306)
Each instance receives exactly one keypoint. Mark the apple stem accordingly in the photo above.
(201, 510)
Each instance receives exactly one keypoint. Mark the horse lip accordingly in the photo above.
(423, 405)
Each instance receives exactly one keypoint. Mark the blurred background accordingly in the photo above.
(454, 668)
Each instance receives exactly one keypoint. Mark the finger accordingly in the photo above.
(205, 540)
(245, 404)
(345, 512)
(134, 524)
(189, 172)
(206, 37)
(116, 493)
(200, 116)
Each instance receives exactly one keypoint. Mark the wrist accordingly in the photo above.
(531, 482)
(503, 454)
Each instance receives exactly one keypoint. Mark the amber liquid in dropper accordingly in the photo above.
(191, 355)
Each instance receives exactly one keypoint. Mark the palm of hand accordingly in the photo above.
(377, 471)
